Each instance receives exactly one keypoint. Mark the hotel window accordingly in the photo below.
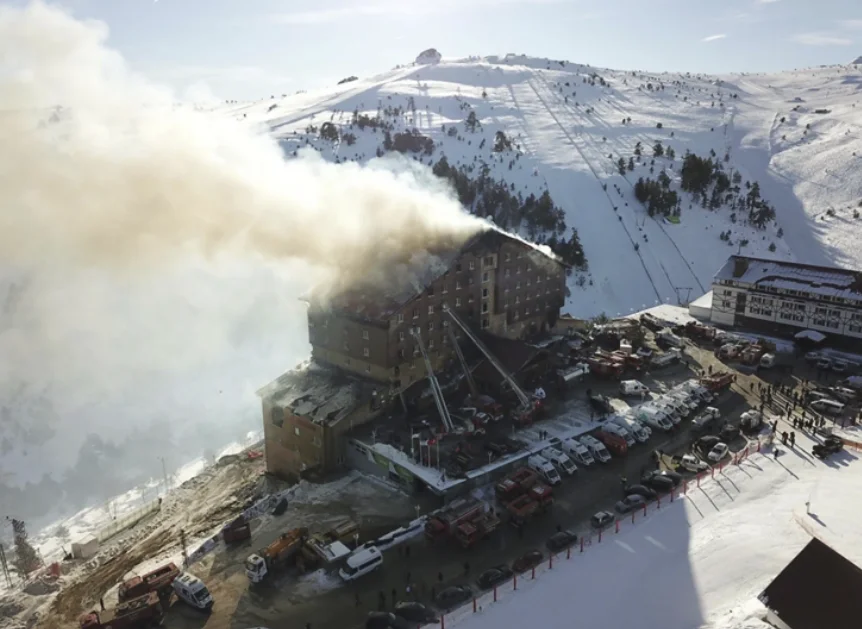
(472, 265)
(364, 335)
(457, 301)
(457, 285)
(506, 273)
(401, 336)
(485, 277)
(366, 352)
(416, 313)
(486, 323)
(400, 318)
(430, 310)
(484, 292)
(489, 260)
(485, 306)
(508, 257)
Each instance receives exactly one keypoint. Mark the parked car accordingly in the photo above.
(640, 490)
(705, 444)
(693, 464)
(830, 445)
(706, 419)
(728, 432)
(386, 620)
(629, 504)
(494, 576)
(658, 482)
(718, 452)
(602, 519)
(528, 560)
(602, 403)
(415, 612)
(453, 595)
(561, 540)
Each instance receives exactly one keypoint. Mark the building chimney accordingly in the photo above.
(740, 266)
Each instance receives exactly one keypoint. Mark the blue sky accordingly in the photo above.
(253, 48)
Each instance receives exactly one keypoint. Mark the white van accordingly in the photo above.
(653, 416)
(829, 407)
(663, 360)
(690, 402)
(675, 409)
(633, 388)
(545, 469)
(596, 448)
(563, 463)
(578, 452)
(633, 428)
(670, 338)
(360, 562)
(621, 431)
(696, 388)
(192, 591)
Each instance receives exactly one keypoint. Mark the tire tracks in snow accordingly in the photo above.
(598, 179)
(573, 114)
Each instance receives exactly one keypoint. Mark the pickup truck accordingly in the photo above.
(830, 445)
(706, 419)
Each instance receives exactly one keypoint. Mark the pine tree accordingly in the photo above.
(26, 560)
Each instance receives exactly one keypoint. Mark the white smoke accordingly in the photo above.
(151, 256)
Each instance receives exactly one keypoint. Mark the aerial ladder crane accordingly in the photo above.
(528, 408)
(436, 391)
(471, 383)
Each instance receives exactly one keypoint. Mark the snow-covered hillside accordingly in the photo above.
(566, 129)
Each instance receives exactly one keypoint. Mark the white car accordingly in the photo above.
(693, 464)
(718, 452)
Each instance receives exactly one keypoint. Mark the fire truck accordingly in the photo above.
(465, 519)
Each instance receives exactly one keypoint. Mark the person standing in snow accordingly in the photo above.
(792, 439)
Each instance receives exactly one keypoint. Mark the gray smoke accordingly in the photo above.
(151, 256)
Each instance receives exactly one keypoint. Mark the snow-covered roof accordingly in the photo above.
(779, 274)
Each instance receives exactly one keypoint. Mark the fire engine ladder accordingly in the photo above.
(522, 397)
(435, 386)
(474, 390)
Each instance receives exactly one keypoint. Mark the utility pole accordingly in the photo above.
(183, 545)
(5, 567)
(165, 473)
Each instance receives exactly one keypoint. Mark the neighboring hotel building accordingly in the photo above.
(787, 297)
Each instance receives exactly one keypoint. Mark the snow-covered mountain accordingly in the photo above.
(573, 130)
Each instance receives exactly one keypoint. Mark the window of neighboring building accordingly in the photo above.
(365, 335)
(276, 416)
(485, 276)
(366, 352)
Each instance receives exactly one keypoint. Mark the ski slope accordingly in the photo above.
(567, 129)
(698, 562)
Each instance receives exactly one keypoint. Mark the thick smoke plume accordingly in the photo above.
(151, 255)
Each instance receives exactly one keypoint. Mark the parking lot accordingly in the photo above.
(323, 602)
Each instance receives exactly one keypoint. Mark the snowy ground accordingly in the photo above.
(566, 131)
(699, 562)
